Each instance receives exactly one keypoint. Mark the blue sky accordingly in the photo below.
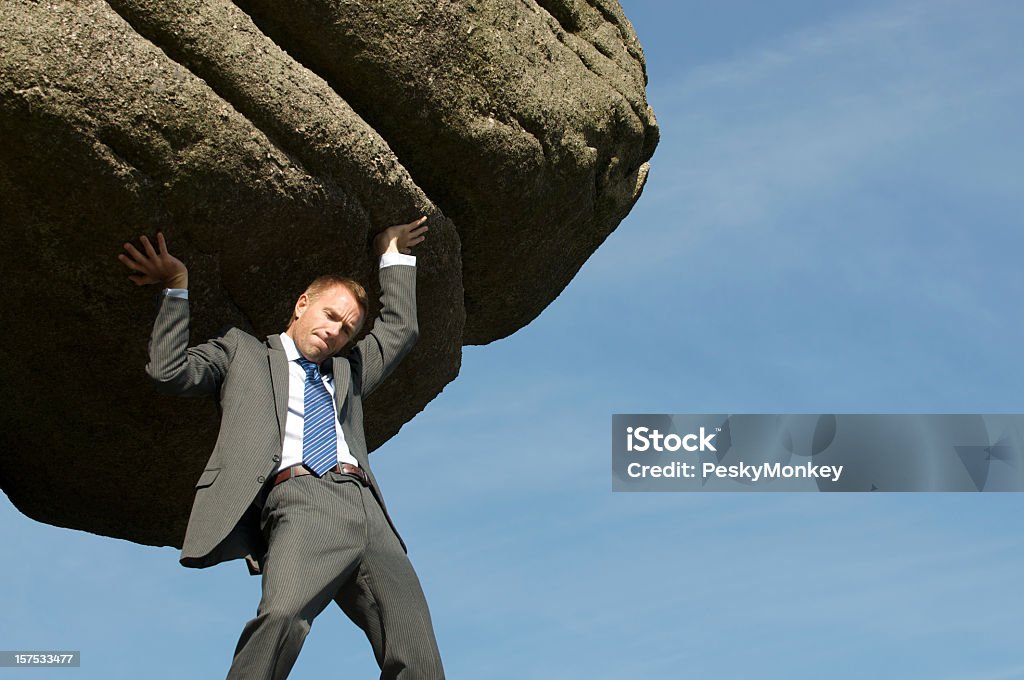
(832, 223)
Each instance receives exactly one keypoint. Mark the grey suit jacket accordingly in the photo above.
(249, 377)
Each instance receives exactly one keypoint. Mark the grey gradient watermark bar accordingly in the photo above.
(817, 452)
(32, 658)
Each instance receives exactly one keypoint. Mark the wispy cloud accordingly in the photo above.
(787, 125)
(849, 193)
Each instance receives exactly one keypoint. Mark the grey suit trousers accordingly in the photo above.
(328, 539)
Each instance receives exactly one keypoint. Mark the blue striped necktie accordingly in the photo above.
(319, 440)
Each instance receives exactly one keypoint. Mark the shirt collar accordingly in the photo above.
(292, 352)
(288, 345)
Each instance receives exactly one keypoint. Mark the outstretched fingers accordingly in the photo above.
(134, 252)
(413, 234)
(151, 266)
(401, 237)
(148, 246)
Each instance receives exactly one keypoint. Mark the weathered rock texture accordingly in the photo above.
(270, 143)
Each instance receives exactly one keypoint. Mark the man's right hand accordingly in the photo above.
(154, 266)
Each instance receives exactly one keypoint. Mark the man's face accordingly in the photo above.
(325, 322)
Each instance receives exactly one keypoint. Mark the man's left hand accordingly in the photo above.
(401, 237)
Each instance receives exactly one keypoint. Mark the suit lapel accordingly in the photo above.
(279, 377)
(342, 380)
(342, 377)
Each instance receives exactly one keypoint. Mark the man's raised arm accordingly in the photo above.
(173, 365)
(396, 329)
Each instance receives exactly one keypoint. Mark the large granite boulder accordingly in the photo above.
(270, 143)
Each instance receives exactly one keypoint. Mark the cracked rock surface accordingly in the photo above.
(271, 145)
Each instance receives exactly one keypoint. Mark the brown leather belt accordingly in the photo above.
(299, 470)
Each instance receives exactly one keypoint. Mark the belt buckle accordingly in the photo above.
(354, 471)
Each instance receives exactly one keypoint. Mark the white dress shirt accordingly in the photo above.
(291, 452)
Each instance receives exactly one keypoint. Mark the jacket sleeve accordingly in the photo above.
(179, 369)
(395, 330)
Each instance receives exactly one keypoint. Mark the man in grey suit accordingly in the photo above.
(288, 485)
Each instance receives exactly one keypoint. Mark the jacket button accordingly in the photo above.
(261, 479)
(277, 458)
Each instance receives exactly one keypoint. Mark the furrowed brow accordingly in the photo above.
(345, 325)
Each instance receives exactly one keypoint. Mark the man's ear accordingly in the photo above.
(301, 305)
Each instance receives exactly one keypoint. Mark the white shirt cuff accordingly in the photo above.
(390, 259)
(176, 292)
